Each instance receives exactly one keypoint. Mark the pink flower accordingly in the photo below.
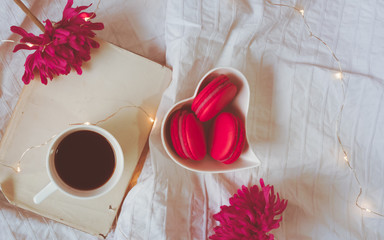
(251, 215)
(62, 46)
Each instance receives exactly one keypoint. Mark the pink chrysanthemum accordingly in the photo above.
(251, 215)
(63, 45)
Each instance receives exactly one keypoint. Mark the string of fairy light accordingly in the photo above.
(340, 76)
(17, 167)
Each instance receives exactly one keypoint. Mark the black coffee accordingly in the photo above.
(84, 160)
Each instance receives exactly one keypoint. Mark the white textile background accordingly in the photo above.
(295, 101)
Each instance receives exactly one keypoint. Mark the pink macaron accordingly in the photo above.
(213, 98)
(187, 135)
(227, 138)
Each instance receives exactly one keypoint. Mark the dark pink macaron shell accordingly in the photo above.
(227, 138)
(187, 135)
(213, 98)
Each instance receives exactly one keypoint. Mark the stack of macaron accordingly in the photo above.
(226, 137)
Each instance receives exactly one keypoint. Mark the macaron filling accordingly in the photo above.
(187, 135)
(206, 101)
(175, 136)
(182, 136)
(204, 93)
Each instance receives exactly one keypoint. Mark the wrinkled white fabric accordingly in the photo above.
(294, 107)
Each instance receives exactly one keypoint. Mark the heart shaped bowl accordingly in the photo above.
(239, 107)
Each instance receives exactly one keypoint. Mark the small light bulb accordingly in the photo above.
(29, 44)
(302, 12)
(339, 75)
(87, 19)
(346, 158)
(87, 123)
(368, 210)
(18, 169)
(151, 119)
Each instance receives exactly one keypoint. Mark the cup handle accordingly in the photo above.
(44, 193)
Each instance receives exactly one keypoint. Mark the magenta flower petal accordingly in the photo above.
(62, 47)
(23, 46)
(252, 214)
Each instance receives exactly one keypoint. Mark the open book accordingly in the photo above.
(113, 79)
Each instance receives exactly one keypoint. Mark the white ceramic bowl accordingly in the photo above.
(238, 106)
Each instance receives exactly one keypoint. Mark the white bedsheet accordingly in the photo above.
(295, 101)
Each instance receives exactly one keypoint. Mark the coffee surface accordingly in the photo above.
(84, 160)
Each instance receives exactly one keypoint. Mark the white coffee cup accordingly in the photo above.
(57, 183)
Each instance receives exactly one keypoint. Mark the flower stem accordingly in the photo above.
(30, 14)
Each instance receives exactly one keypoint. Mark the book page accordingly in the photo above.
(113, 79)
